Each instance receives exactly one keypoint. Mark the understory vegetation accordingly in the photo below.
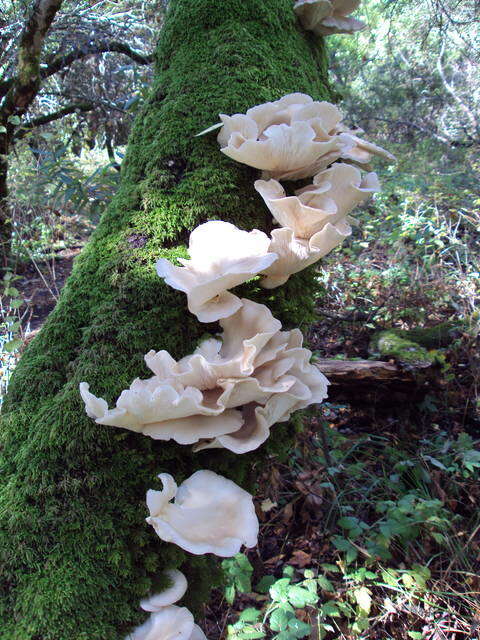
(370, 527)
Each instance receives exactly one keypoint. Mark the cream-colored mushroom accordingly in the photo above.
(295, 254)
(173, 593)
(164, 411)
(359, 151)
(170, 623)
(331, 197)
(221, 257)
(256, 365)
(292, 138)
(210, 514)
(325, 17)
(230, 391)
(289, 138)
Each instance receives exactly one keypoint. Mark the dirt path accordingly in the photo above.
(40, 285)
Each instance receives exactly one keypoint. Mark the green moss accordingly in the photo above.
(77, 555)
(441, 335)
(391, 345)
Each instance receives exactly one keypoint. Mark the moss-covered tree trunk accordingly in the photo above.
(77, 555)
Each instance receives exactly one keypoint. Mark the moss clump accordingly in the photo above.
(77, 555)
(407, 352)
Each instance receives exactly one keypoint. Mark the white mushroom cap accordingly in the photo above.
(156, 409)
(168, 596)
(289, 138)
(210, 514)
(325, 17)
(331, 197)
(295, 254)
(170, 623)
(361, 151)
(294, 137)
(221, 257)
(282, 381)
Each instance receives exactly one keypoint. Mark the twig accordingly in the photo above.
(320, 424)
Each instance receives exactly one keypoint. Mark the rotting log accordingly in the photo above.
(345, 372)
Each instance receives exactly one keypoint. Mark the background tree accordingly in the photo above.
(57, 64)
(414, 73)
(78, 555)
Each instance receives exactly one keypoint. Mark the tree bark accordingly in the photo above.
(78, 555)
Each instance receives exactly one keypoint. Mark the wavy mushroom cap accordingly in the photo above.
(158, 409)
(325, 17)
(292, 138)
(170, 623)
(289, 138)
(170, 595)
(254, 366)
(210, 514)
(295, 254)
(331, 197)
(221, 257)
(361, 151)
(228, 393)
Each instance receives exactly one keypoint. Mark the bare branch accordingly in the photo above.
(51, 117)
(56, 63)
(451, 90)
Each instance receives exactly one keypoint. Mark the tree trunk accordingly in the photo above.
(78, 555)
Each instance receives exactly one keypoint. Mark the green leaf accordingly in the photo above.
(333, 568)
(278, 590)
(363, 598)
(13, 345)
(14, 120)
(15, 326)
(330, 609)
(299, 628)
(230, 594)
(243, 562)
(243, 582)
(16, 303)
(250, 615)
(300, 597)
(416, 635)
(3, 129)
(278, 620)
(265, 583)
(348, 522)
(325, 584)
(248, 633)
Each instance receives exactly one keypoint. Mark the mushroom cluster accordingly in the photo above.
(325, 17)
(315, 220)
(293, 138)
(238, 384)
(228, 393)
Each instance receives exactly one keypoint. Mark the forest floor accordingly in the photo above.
(370, 527)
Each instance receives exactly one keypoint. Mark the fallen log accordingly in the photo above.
(377, 383)
(367, 371)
